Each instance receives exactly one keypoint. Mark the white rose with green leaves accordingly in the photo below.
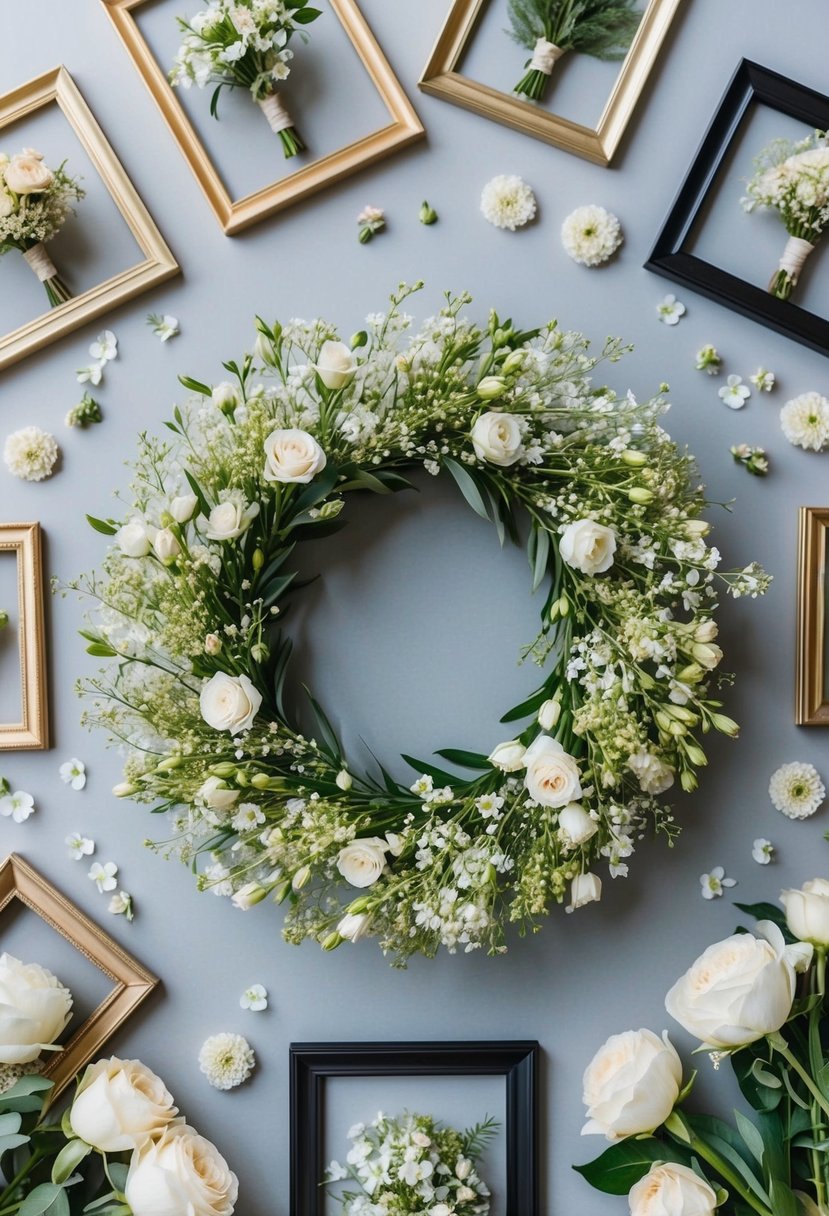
(231, 519)
(588, 546)
(336, 365)
(292, 456)
(672, 1190)
(180, 1174)
(496, 438)
(34, 1009)
(119, 1105)
(362, 862)
(229, 702)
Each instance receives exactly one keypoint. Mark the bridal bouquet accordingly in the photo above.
(759, 1000)
(191, 604)
(413, 1166)
(244, 44)
(35, 202)
(793, 179)
(551, 28)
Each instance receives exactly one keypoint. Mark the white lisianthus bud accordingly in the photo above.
(354, 926)
(631, 1085)
(672, 1190)
(696, 528)
(336, 365)
(508, 756)
(496, 438)
(301, 877)
(513, 362)
(292, 455)
(706, 631)
(247, 896)
(225, 396)
(739, 989)
(212, 644)
(640, 495)
(576, 824)
(552, 777)
(491, 387)
(807, 911)
(216, 795)
(707, 655)
(184, 508)
(344, 780)
(133, 540)
(34, 1009)
(362, 862)
(549, 714)
(464, 1194)
(584, 889)
(588, 546)
(124, 789)
(166, 546)
(396, 843)
(120, 1105)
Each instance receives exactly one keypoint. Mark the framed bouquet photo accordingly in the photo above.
(812, 688)
(61, 187)
(746, 228)
(24, 719)
(252, 94)
(569, 74)
(448, 1127)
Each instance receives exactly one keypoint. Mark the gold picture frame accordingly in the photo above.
(57, 87)
(131, 982)
(32, 731)
(811, 685)
(441, 79)
(236, 214)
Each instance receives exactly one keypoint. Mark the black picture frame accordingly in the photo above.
(750, 85)
(312, 1064)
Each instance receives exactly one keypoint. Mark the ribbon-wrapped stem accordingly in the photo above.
(784, 279)
(281, 123)
(43, 267)
(544, 58)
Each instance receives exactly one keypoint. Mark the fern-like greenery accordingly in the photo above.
(601, 28)
(477, 1138)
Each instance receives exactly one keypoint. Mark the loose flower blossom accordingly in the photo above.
(73, 773)
(669, 310)
(90, 375)
(163, 326)
(797, 790)
(508, 202)
(713, 884)
(709, 360)
(86, 412)
(590, 235)
(754, 460)
(762, 851)
(105, 347)
(734, 393)
(122, 904)
(254, 998)
(371, 220)
(226, 1060)
(31, 454)
(103, 875)
(763, 380)
(19, 805)
(805, 421)
(79, 846)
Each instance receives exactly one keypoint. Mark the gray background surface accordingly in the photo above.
(412, 634)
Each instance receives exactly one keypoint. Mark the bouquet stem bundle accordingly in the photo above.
(44, 268)
(35, 201)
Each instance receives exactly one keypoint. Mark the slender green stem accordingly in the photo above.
(26, 1169)
(780, 1045)
(683, 1134)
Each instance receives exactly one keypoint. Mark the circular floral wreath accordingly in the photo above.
(192, 595)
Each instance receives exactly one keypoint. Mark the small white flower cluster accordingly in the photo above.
(35, 201)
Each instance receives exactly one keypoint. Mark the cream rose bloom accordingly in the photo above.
(229, 702)
(631, 1085)
(362, 862)
(672, 1190)
(34, 1009)
(336, 365)
(180, 1174)
(229, 520)
(496, 438)
(588, 546)
(739, 989)
(508, 756)
(133, 540)
(576, 824)
(552, 776)
(215, 794)
(292, 455)
(119, 1105)
(26, 173)
(807, 911)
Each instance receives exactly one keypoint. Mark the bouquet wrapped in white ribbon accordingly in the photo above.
(35, 202)
(793, 179)
(244, 44)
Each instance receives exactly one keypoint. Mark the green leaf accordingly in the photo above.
(197, 490)
(538, 552)
(529, 707)
(305, 16)
(27, 1085)
(196, 386)
(622, 1165)
(430, 770)
(276, 588)
(468, 486)
(725, 1141)
(456, 755)
(7, 1143)
(316, 490)
(751, 1135)
(783, 1201)
(764, 911)
(101, 525)
(10, 1123)
(761, 1087)
(214, 102)
(324, 732)
(69, 1157)
(40, 1200)
(118, 1174)
(101, 651)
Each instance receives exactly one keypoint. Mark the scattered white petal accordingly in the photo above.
(105, 347)
(796, 790)
(226, 1060)
(18, 805)
(104, 875)
(714, 883)
(79, 846)
(734, 393)
(762, 851)
(121, 905)
(669, 310)
(163, 325)
(254, 998)
(763, 380)
(90, 375)
(73, 773)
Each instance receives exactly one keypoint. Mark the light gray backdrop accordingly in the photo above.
(415, 627)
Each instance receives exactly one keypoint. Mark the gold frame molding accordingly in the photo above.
(235, 214)
(811, 693)
(33, 730)
(132, 984)
(58, 87)
(441, 79)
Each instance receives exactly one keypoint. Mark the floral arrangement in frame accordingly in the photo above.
(131, 982)
(157, 264)
(235, 214)
(315, 1066)
(442, 78)
(673, 256)
(32, 731)
(812, 684)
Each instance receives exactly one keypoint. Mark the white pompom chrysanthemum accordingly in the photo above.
(805, 421)
(508, 202)
(797, 790)
(590, 235)
(31, 454)
(226, 1060)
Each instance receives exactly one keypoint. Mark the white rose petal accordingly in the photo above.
(508, 756)
(336, 365)
(362, 862)
(178, 1173)
(807, 911)
(552, 777)
(584, 889)
(133, 540)
(496, 438)
(576, 824)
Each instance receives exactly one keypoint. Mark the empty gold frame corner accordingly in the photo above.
(32, 731)
(232, 214)
(811, 690)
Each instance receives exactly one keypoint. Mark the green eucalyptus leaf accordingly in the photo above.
(68, 1159)
(465, 759)
(622, 1165)
(10, 1123)
(468, 486)
(101, 525)
(40, 1200)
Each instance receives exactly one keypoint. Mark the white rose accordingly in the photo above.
(807, 911)
(166, 546)
(26, 173)
(576, 824)
(362, 862)
(588, 546)
(552, 776)
(354, 925)
(653, 774)
(672, 1190)
(549, 714)
(631, 1085)
(229, 702)
(180, 1173)
(496, 437)
(508, 756)
(336, 365)
(215, 794)
(133, 540)
(224, 395)
(184, 507)
(292, 455)
(34, 1008)
(228, 520)
(584, 889)
(119, 1105)
(739, 989)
